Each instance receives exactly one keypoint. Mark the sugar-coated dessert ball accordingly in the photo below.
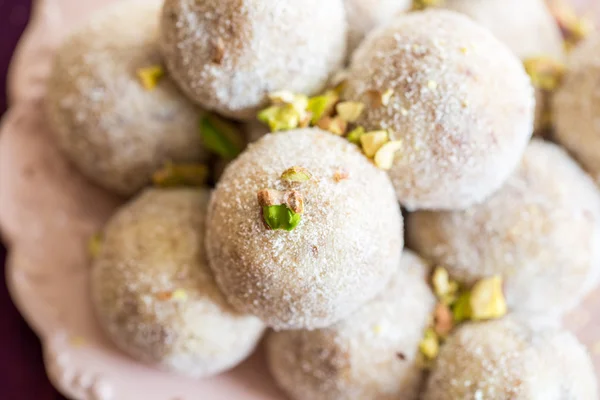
(116, 131)
(364, 15)
(512, 359)
(540, 232)
(227, 55)
(461, 103)
(576, 106)
(341, 249)
(371, 355)
(526, 26)
(155, 295)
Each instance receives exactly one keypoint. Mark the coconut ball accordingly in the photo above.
(116, 131)
(342, 252)
(540, 232)
(511, 359)
(576, 106)
(526, 26)
(154, 293)
(364, 15)
(370, 355)
(227, 55)
(461, 103)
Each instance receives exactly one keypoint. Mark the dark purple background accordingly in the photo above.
(22, 375)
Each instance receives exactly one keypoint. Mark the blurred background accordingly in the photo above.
(22, 375)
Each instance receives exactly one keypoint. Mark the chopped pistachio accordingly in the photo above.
(335, 125)
(280, 118)
(179, 295)
(384, 158)
(172, 175)
(280, 217)
(150, 76)
(340, 81)
(430, 344)
(321, 106)
(95, 245)
(444, 288)
(340, 175)
(270, 197)
(461, 309)
(443, 319)
(423, 4)
(218, 50)
(372, 141)
(487, 300)
(355, 134)
(294, 201)
(378, 98)
(296, 174)
(221, 136)
(282, 97)
(545, 73)
(350, 111)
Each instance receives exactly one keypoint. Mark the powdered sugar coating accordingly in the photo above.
(227, 55)
(364, 15)
(152, 250)
(463, 106)
(369, 355)
(343, 252)
(526, 26)
(116, 131)
(540, 231)
(512, 359)
(576, 106)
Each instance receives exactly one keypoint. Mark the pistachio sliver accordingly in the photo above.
(372, 141)
(487, 300)
(350, 111)
(220, 136)
(150, 76)
(384, 157)
(281, 117)
(423, 4)
(335, 125)
(321, 106)
(461, 309)
(173, 175)
(430, 344)
(296, 174)
(355, 134)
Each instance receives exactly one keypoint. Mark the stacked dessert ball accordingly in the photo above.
(303, 233)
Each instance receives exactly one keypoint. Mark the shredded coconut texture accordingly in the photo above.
(576, 106)
(540, 232)
(343, 252)
(526, 26)
(364, 15)
(463, 106)
(370, 355)
(227, 55)
(155, 295)
(112, 128)
(512, 359)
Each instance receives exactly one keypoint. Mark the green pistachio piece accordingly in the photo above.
(296, 174)
(461, 309)
(221, 136)
(355, 134)
(95, 245)
(321, 106)
(173, 175)
(280, 217)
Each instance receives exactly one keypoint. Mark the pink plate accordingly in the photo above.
(48, 212)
